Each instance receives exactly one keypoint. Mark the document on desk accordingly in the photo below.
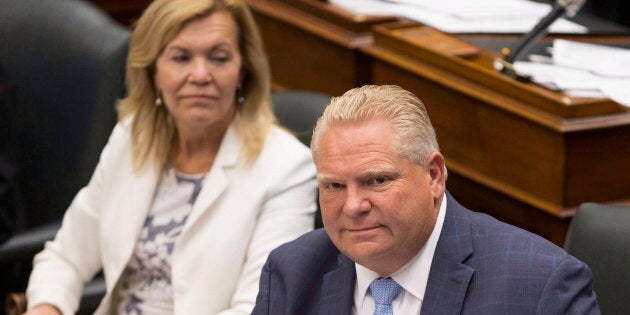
(584, 70)
(602, 60)
(463, 16)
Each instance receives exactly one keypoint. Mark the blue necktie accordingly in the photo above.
(384, 291)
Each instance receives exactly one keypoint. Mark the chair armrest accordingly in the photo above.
(15, 304)
(93, 293)
(26, 244)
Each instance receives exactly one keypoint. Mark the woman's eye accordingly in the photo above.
(220, 59)
(180, 58)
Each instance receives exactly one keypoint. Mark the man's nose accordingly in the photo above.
(356, 202)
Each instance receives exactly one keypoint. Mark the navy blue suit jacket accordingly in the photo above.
(480, 266)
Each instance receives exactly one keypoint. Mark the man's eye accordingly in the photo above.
(378, 180)
(335, 186)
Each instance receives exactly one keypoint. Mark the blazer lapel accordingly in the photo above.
(449, 276)
(217, 179)
(338, 288)
(137, 190)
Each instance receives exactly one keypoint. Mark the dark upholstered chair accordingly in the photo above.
(64, 61)
(599, 235)
(298, 111)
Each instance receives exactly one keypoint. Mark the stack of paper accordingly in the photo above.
(584, 70)
(465, 16)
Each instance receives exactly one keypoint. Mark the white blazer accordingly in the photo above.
(243, 212)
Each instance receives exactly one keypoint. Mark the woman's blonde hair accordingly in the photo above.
(414, 134)
(152, 130)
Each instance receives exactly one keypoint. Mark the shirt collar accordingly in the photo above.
(412, 277)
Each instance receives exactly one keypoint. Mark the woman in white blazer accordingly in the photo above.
(196, 185)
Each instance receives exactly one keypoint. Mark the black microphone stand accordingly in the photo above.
(510, 56)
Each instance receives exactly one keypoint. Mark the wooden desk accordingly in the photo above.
(522, 153)
(318, 51)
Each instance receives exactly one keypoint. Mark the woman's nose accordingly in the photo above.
(200, 72)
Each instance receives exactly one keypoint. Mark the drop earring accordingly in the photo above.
(158, 99)
(240, 98)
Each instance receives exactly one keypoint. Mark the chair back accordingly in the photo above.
(65, 60)
(63, 68)
(599, 235)
(298, 111)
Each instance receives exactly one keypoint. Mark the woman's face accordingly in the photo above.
(199, 71)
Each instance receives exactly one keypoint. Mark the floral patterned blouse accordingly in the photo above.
(145, 287)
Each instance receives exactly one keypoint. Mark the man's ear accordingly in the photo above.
(436, 169)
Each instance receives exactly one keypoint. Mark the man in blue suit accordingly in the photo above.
(396, 242)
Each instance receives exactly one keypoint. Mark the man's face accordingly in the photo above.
(378, 207)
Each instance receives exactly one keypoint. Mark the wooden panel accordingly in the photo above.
(510, 210)
(300, 66)
(124, 11)
(311, 46)
(598, 165)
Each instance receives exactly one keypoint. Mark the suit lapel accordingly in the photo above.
(136, 190)
(449, 276)
(217, 179)
(338, 288)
